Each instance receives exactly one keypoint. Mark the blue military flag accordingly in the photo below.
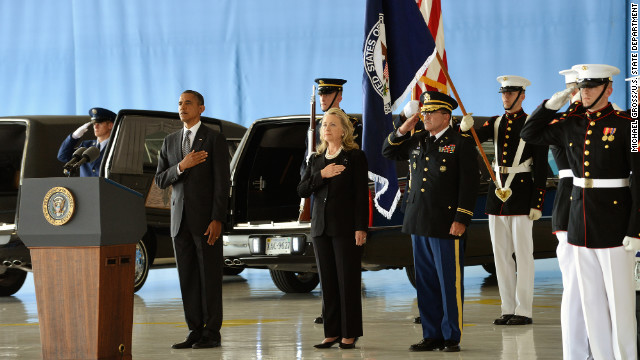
(397, 49)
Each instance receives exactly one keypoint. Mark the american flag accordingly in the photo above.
(434, 78)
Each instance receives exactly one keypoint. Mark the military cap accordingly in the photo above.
(328, 86)
(511, 83)
(99, 115)
(570, 76)
(592, 75)
(434, 100)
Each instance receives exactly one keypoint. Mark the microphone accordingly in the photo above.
(77, 155)
(90, 155)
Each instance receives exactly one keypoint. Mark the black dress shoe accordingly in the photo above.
(326, 345)
(318, 320)
(206, 342)
(451, 346)
(417, 320)
(502, 320)
(428, 345)
(519, 320)
(192, 338)
(348, 346)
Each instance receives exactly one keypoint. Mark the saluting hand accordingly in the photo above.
(192, 159)
(213, 230)
(410, 124)
(331, 170)
(361, 237)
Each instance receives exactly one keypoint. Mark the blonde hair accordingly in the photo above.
(347, 140)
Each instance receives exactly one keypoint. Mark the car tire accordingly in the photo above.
(228, 270)
(143, 261)
(490, 268)
(11, 281)
(411, 274)
(294, 282)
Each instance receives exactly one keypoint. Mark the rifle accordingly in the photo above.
(305, 204)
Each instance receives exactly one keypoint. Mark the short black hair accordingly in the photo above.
(197, 95)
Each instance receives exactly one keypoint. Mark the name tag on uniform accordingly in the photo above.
(447, 149)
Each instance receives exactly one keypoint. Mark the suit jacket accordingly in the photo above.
(341, 204)
(527, 188)
(598, 146)
(201, 192)
(69, 145)
(444, 180)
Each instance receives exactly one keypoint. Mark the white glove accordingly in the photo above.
(466, 123)
(631, 244)
(411, 108)
(81, 130)
(559, 99)
(535, 214)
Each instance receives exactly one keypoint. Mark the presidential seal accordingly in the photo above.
(58, 206)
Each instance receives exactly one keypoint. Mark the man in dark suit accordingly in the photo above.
(102, 121)
(195, 161)
(441, 198)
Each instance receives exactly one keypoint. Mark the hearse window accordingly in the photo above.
(12, 137)
(139, 141)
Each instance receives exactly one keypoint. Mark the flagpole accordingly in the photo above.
(464, 112)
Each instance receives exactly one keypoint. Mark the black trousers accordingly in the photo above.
(338, 260)
(200, 272)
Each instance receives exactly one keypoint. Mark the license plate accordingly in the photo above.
(277, 246)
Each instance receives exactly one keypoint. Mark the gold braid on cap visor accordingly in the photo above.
(434, 105)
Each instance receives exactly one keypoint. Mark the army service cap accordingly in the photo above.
(328, 86)
(99, 115)
(592, 75)
(434, 100)
(570, 76)
(509, 83)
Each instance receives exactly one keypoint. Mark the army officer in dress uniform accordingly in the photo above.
(441, 199)
(521, 171)
(604, 218)
(102, 121)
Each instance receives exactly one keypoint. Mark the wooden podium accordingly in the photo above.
(82, 233)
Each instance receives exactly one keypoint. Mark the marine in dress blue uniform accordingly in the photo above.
(102, 122)
(604, 217)
(575, 342)
(441, 198)
(521, 168)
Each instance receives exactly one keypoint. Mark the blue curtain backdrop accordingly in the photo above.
(255, 58)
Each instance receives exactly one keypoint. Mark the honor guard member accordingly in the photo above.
(521, 173)
(441, 199)
(575, 343)
(604, 217)
(102, 121)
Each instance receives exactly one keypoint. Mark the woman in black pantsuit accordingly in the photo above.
(337, 176)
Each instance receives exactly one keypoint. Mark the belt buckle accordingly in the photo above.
(504, 170)
(588, 183)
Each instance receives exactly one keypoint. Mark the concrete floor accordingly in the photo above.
(260, 322)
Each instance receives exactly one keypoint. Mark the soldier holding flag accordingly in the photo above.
(516, 201)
